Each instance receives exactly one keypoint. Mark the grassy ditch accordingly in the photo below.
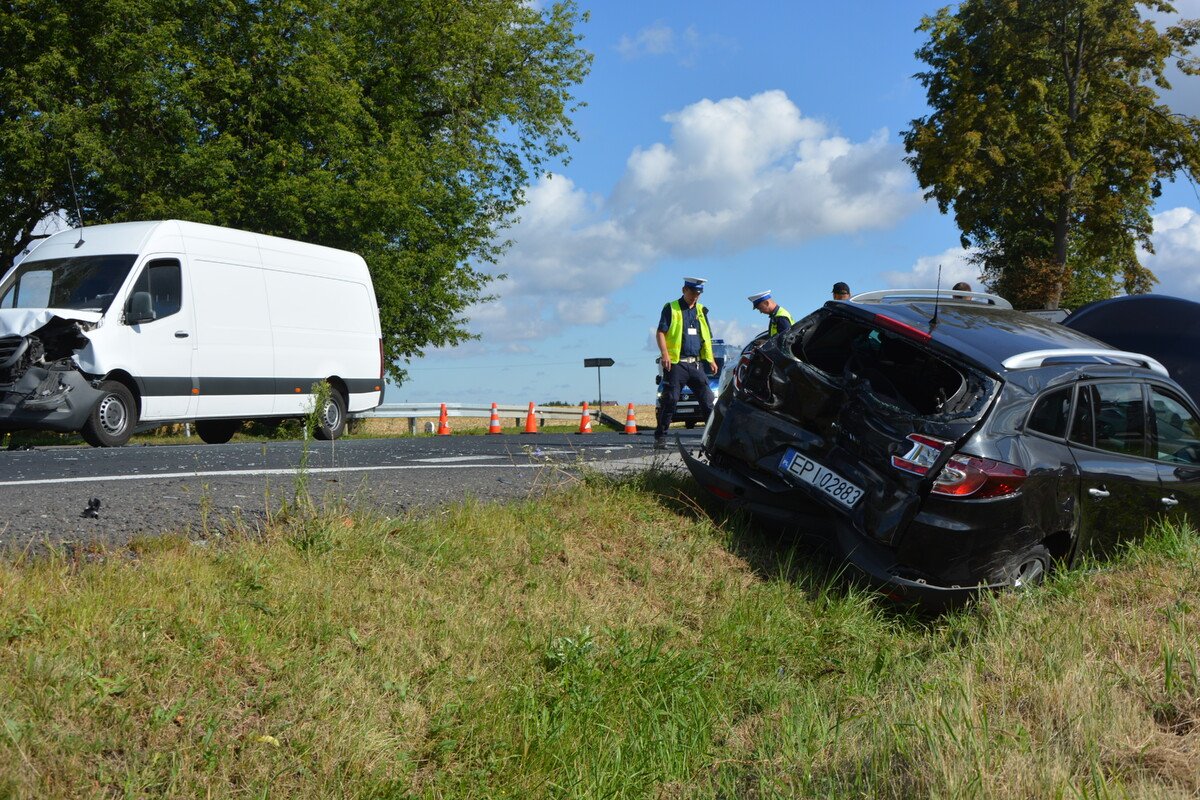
(612, 640)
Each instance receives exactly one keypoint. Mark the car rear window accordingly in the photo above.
(897, 370)
(1051, 413)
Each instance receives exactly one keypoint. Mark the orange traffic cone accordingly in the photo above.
(585, 420)
(631, 421)
(531, 425)
(494, 422)
(443, 423)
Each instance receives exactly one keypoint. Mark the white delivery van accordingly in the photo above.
(117, 328)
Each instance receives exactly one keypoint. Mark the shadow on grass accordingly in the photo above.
(798, 554)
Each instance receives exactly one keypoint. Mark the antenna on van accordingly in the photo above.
(75, 194)
(933, 321)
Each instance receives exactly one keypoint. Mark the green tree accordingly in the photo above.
(1048, 139)
(404, 130)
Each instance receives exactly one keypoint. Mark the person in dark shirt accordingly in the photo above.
(684, 342)
(781, 320)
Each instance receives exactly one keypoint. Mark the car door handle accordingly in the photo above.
(181, 334)
(1170, 502)
(1099, 494)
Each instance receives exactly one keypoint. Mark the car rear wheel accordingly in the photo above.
(332, 422)
(112, 419)
(217, 431)
(1030, 569)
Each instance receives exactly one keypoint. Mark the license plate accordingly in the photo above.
(821, 478)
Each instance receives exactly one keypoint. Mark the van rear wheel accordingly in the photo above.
(110, 424)
(332, 422)
(217, 431)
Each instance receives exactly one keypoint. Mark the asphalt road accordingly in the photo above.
(45, 493)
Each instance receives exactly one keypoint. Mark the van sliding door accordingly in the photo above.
(234, 352)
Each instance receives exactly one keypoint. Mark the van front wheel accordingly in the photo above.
(332, 422)
(217, 431)
(112, 419)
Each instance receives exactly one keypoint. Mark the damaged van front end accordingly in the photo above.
(42, 385)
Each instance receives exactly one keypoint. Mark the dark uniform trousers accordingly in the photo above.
(691, 374)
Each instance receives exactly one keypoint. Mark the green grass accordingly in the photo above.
(615, 639)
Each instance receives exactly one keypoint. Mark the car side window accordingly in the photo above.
(164, 282)
(1120, 421)
(1082, 426)
(1051, 413)
(1176, 429)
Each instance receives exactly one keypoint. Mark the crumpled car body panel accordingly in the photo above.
(850, 396)
(44, 380)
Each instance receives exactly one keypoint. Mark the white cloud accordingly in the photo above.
(1176, 240)
(654, 40)
(740, 172)
(735, 332)
(954, 264)
(660, 39)
(735, 174)
(1177, 244)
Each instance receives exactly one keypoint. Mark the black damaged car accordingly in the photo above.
(952, 444)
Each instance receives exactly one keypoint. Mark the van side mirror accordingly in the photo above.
(140, 309)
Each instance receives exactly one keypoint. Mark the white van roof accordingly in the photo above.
(173, 236)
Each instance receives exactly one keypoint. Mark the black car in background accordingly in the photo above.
(952, 443)
(1165, 327)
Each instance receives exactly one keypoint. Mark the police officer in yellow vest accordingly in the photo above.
(684, 342)
(781, 320)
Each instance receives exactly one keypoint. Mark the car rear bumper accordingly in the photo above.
(876, 562)
(788, 507)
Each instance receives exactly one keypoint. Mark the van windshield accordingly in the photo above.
(84, 283)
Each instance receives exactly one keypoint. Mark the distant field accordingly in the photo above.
(395, 427)
(620, 638)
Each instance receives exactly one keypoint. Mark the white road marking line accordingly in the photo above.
(453, 459)
(251, 472)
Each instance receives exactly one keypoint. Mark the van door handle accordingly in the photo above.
(1170, 502)
(181, 334)
(1099, 494)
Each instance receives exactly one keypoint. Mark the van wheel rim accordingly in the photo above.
(112, 414)
(333, 415)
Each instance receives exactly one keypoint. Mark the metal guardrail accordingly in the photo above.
(415, 411)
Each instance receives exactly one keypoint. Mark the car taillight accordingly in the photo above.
(969, 476)
(739, 372)
(382, 360)
(922, 455)
(896, 326)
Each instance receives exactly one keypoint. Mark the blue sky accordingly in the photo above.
(754, 144)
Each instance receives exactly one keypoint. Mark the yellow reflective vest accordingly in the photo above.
(773, 329)
(675, 332)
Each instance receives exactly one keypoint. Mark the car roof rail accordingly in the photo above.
(941, 295)
(1036, 358)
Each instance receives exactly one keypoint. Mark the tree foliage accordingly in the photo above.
(1048, 139)
(404, 130)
